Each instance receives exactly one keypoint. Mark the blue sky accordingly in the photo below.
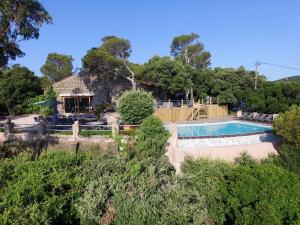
(236, 32)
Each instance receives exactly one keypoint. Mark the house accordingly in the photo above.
(83, 93)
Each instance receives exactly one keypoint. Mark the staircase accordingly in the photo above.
(197, 113)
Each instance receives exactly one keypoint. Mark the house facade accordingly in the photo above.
(82, 93)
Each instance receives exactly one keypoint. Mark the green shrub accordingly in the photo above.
(42, 191)
(103, 108)
(245, 159)
(208, 179)
(262, 194)
(134, 106)
(89, 133)
(287, 125)
(151, 138)
(245, 193)
(124, 191)
(288, 157)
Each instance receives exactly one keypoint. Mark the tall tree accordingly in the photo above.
(57, 66)
(19, 20)
(165, 76)
(16, 86)
(190, 51)
(111, 59)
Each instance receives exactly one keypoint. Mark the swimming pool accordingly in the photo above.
(222, 129)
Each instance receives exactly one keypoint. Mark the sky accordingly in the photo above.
(236, 32)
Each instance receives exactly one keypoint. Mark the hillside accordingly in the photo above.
(289, 79)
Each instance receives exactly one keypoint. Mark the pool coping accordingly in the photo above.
(224, 136)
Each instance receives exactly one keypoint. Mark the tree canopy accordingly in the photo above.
(16, 86)
(57, 66)
(19, 20)
(190, 51)
(164, 76)
(110, 60)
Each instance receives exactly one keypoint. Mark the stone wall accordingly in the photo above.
(102, 91)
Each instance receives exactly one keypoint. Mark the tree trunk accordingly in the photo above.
(10, 112)
(192, 94)
(132, 79)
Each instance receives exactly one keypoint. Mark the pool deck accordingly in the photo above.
(177, 155)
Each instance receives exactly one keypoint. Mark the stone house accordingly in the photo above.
(82, 93)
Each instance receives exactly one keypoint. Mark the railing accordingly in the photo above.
(67, 129)
(185, 103)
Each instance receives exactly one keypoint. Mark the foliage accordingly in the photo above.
(42, 191)
(273, 97)
(208, 178)
(31, 107)
(46, 82)
(57, 66)
(134, 106)
(287, 125)
(103, 108)
(290, 79)
(245, 159)
(89, 133)
(189, 50)
(148, 188)
(20, 20)
(16, 86)
(262, 194)
(165, 76)
(110, 60)
(151, 138)
(288, 157)
(247, 192)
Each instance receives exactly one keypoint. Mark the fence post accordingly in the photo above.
(8, 128)
(41, 128)
(76, 129)
(115, 129)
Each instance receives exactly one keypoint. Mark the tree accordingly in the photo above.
(151, 138)
(111, 60)
(190, 51)
(134, 106)
(16, 86)
(164, 75)
(57, 66)
(19, 20)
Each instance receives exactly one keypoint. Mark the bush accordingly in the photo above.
(208, 179)
(124, 191)
(262, 194)
(42, 191)
(151, 138)
(287, 125)
(134, 106)
(288, 157)
(245, 193)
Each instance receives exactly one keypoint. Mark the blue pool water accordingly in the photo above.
(219, 129)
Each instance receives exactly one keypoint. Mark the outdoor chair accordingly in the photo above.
(36, 119)
(261, 117)
(243, 117)
(255, 115)
(268, 118)
(249, 116)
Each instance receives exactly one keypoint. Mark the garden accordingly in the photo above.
(100, 188)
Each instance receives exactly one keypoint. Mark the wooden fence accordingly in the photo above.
(197, 112)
